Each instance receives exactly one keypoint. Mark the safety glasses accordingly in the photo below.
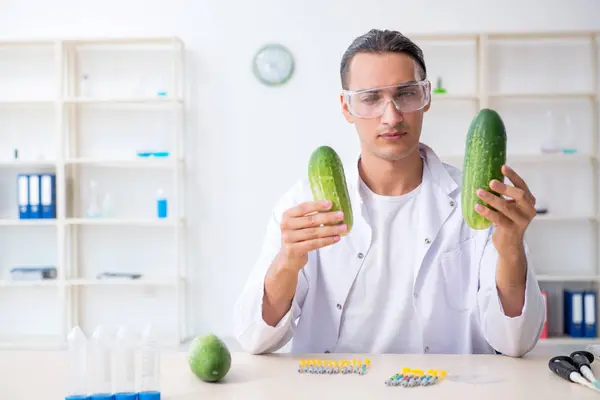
(371, 103)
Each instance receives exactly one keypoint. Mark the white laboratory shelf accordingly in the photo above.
(124, 100)
(30, 283)
(27, 222)
(544, 95)
(27, 164)
(539, 158)
(169, 222)
(567, 341)
(121, 109)
(25, 102)
(141, 162)
(568, 278)
(565, 218)
(453, 96)
(123, 282)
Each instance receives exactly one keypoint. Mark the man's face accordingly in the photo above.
(395, 133)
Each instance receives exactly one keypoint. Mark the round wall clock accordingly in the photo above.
(273, 65)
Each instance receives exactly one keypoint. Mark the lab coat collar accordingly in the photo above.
(438, 201)
(434, 172)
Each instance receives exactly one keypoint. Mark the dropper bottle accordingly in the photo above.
(77, 365)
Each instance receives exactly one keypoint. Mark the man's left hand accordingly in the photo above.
(512, 215)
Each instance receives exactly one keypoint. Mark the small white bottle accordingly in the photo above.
(101, 365)
(550, 142)
(93, 208)
(569, 137)
(124, 366)
(85, 90)
(150, 366)
(77, 367)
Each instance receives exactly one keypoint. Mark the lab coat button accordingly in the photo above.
(427, 241)
(360, 255)
(416, 295)
(339, 306)
(451, 203)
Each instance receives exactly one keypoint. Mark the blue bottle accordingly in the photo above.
(161, 204)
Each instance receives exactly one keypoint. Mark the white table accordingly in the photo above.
(41, 376)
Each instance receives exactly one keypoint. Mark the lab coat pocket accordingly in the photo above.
(460, 278)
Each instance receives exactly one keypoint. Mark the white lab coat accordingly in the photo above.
(454, 286)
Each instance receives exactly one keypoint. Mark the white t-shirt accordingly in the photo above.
(379, 316)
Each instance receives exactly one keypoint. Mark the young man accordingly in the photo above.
(411, 276)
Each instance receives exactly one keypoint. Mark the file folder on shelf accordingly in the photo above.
(589, 313)
(544, 334)
(573, 313)
(48, 196)
(34, 196)
(23, 195)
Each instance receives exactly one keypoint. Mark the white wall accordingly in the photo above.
(238, 127)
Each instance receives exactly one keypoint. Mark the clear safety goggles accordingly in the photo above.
(371, 103)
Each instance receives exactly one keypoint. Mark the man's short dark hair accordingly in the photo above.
(382, 41)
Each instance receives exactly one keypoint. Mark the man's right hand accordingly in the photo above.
(309, 226)
(305, 227)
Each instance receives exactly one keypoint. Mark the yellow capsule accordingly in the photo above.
(443, 374)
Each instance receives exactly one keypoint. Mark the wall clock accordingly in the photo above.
(273, 65)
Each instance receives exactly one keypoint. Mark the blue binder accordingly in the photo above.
(573, 313)
(48, 195)
(35, 210)
(23, 195)
(589, 314)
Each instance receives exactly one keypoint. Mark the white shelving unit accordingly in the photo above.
(84, 130)
(521, 76)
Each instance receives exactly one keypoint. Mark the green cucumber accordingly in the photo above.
(485, 154)
(328, 182)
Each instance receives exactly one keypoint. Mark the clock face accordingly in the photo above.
(273, 65)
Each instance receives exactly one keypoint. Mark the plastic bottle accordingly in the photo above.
(550, 143)
(161, 204)
(101, 366)
(93, 209)
(150, 366)
(569, 141)
(124, 366)
(85, 90)
(77, 358)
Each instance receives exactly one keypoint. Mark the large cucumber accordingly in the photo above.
(485, 153)
(328, 182)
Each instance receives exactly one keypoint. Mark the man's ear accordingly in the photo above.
(349, 117)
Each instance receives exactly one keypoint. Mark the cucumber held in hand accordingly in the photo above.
(485, 153)
(328, 182)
